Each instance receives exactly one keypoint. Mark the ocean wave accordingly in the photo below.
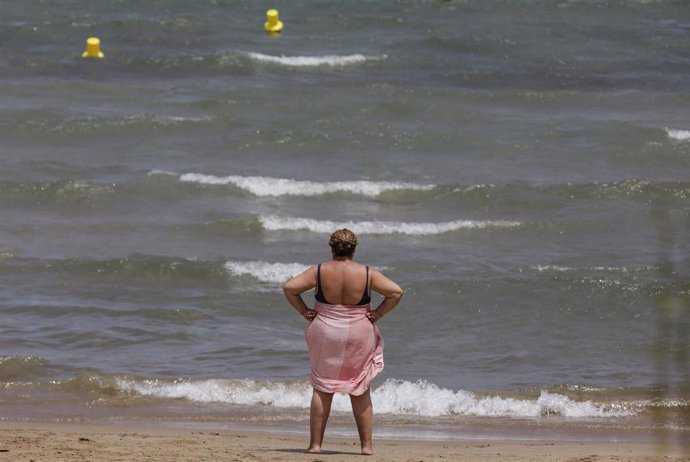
(520, 193)
(245, 392)
(395, 397)
(564, 269)
(428, 399)
(595, 269)
(276, 273)
(267, 186)
(475, 194)
(678, 135)
(55, 192)
(278, 223)
(313, 61)
(619, 279)
(134, 267)
(47, 123)
(151, 120)
(18, 368)
(634, 189)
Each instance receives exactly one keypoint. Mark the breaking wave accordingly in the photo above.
(313, 61)
(678, 135)
(277, 273)
(267, 186)
(396, 397)
(278, 223)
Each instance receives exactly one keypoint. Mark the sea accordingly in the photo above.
(520, 167)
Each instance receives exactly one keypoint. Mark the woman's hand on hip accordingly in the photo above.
(373, 315)
(309, 315)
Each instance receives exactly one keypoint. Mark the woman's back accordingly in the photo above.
(343, 283)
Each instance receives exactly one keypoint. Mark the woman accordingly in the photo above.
(345, 347)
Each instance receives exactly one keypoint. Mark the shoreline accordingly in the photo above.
(136, 442)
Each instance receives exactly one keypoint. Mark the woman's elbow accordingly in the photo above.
(290, 288)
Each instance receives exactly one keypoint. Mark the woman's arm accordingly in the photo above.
(294, 288)
(391, 292)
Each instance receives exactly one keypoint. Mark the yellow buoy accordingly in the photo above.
(273, 25)
(93, 48)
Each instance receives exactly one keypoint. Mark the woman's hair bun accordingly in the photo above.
(343, 242)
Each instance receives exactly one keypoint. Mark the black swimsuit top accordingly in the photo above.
(366, 297)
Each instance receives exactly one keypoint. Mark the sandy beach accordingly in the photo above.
(22, 441)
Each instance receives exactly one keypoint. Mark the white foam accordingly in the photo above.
(543, 268)
(267, 186)
(398, 397)
(424, 398)
(312, 61)
(678, 135)
(222, 391)
(278, 223)
(161, 172)
(276, 273)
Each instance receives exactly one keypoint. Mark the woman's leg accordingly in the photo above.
(318, 416)
(364, 415)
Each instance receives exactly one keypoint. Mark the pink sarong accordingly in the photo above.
(345, 349)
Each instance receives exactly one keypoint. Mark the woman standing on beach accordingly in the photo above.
(345, 347)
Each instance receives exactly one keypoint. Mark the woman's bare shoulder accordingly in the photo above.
(303, 281)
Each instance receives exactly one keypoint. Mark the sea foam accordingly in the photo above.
(276, 273)
(395, 397)
(278, 223)
(267, 186)
(427, 399)
(678, 135)
(312, 61)
(222, 391)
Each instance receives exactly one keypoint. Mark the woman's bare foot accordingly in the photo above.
(367, 451)
(313, 450)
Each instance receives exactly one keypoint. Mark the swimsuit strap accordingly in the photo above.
(366, 296)
(319, 293)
